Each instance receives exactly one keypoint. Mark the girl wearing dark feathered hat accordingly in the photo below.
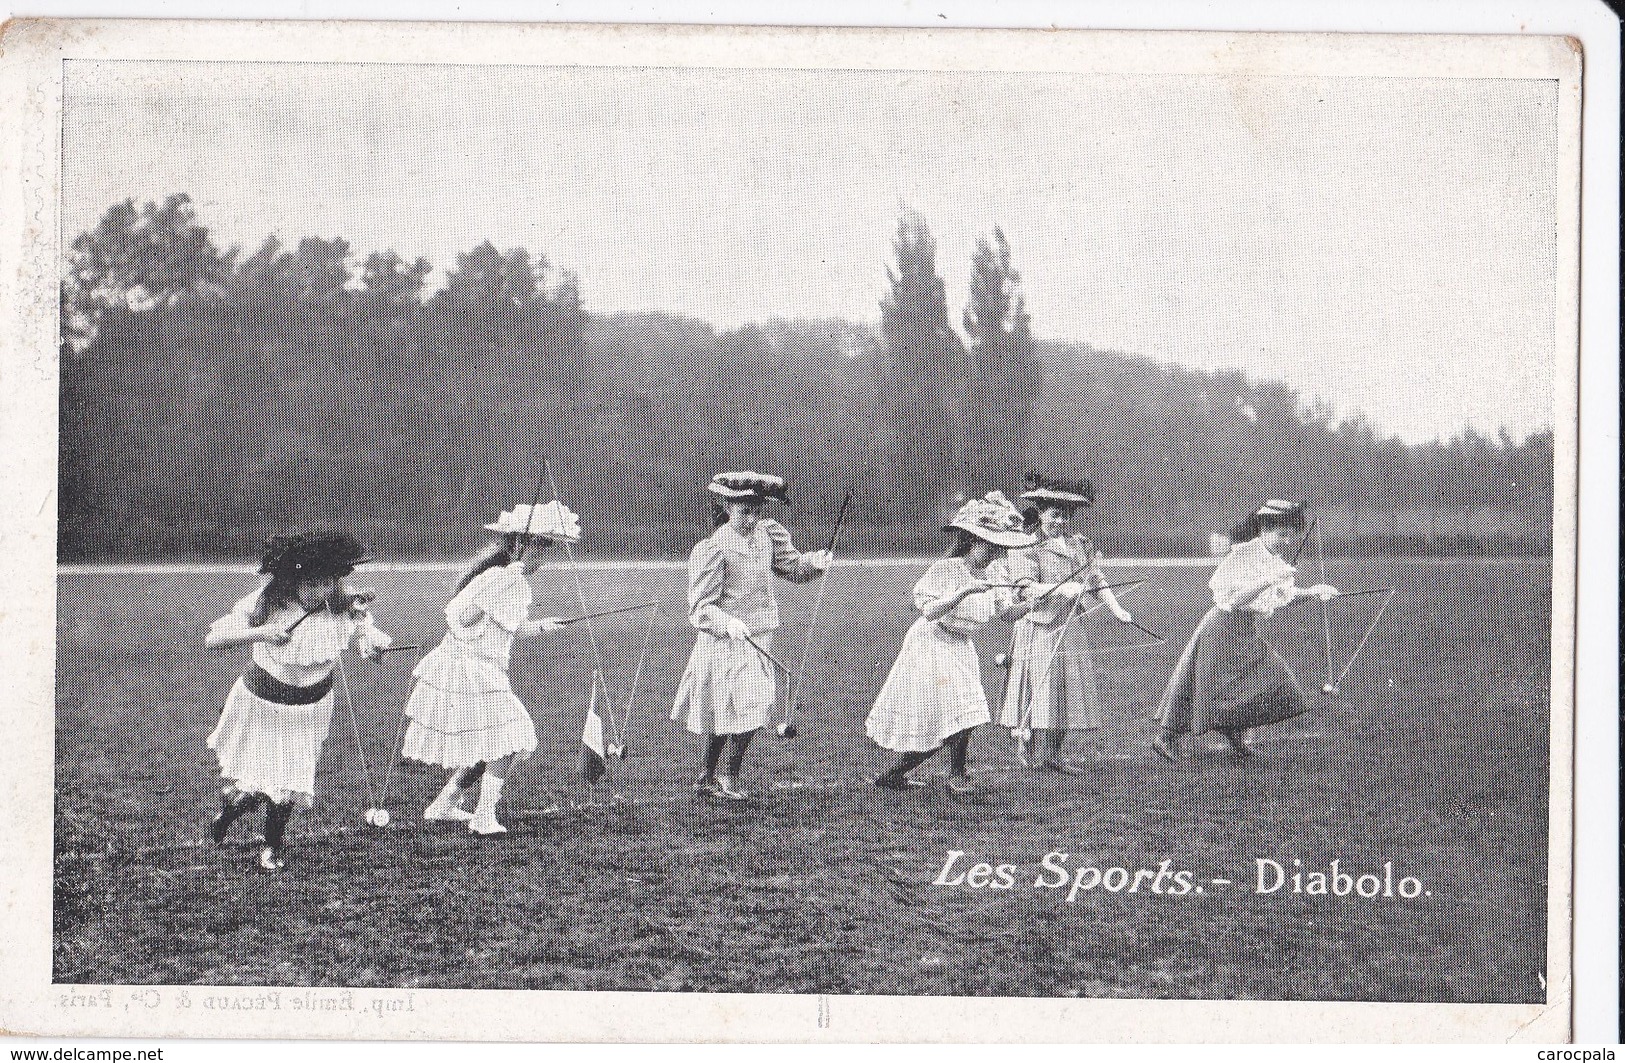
(728, 690)
(1051, 687)
(1229, 679)
(277, 715)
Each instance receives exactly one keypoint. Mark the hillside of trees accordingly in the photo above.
(211, 397)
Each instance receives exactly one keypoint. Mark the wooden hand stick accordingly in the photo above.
(608, 612)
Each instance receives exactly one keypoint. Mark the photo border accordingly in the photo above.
(30, 73)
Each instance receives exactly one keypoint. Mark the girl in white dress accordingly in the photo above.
(933, 696)
(463, 712)
(728, 689)
(270, 734)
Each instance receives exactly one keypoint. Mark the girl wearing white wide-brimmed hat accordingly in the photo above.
(464, 714)
(728, 689)
(933, 696)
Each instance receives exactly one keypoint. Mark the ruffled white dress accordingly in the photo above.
(269, 748)
(462, 709)
(934, 691)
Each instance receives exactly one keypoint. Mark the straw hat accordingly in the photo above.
(1278, 511)
(748, 486)
(993, 519)
(551, 521)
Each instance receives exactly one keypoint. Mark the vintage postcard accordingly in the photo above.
(700, 533)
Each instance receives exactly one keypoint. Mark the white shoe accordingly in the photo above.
(486, 825)
(448, 804)
(725, 790)
(484, 819)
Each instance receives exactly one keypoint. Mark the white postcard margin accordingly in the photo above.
(31, 58)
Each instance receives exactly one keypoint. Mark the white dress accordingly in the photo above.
(462, 709)
(269, 748)
(934, 690)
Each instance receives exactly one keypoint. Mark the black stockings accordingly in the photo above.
(958, 747)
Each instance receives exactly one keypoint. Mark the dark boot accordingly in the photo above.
(1238, 743)
(959, 763)
(1055, 742)
(232, 807)
(276, 825)
(713, 753)
(727, 784)
(897, 778)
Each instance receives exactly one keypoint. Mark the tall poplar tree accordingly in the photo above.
(1003, 376)
(921, 371)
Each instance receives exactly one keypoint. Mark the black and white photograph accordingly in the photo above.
(861, 520)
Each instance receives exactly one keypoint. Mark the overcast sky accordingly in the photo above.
(1387, 245)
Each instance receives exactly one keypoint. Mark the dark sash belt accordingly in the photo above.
(263, 684)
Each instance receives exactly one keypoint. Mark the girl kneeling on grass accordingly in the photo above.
(463, 712)
(728, 689)
(1229, 679)
(933, 696)
(277, 715)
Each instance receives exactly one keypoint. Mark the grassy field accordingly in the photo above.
(1433, 758)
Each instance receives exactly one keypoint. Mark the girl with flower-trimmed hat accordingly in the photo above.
(728, 690)
(464, 714)
(1051, 688)
(1229, 679)
(933, 696)
(270, 734)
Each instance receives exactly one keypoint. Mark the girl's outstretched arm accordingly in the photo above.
(1097, 583)
(502, 594)
(788, 562)
(233, 629)
(1251, 591)
(368, 640)
(935, 608)
(1250, 594)
(1114, 605)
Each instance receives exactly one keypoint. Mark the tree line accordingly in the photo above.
(211, 397)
